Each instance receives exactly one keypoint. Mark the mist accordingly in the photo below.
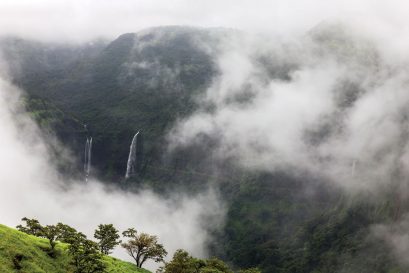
(327, 102)
(318, 87)
(31, 187)
(79, 21)
(331, 103)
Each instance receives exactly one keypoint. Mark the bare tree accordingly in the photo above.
(142, 247)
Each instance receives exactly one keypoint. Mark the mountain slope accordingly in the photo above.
(146, 81)
(20, 252)
(140, 81)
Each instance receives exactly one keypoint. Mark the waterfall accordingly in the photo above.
(131, 165)
(353, 167)
(87, 157)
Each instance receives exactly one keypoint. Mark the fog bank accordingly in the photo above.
(31, 187)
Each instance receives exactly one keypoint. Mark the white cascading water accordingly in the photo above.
(87, 158)
(353, 167)
(130, 166)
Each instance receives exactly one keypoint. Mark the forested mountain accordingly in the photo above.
(137, 82)
(146, 81)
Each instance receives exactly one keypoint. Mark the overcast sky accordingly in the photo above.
(79, 20)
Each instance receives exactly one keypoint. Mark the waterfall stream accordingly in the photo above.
(131, 165)
(87, 157)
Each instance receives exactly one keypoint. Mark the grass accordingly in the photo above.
(23, 253)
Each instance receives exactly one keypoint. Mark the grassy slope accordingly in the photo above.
(15, 246)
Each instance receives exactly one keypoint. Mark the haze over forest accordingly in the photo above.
(269, 134)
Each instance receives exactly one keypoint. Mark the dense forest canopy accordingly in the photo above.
(277, 150)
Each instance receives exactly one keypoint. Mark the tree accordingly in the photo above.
(216, 265)
(108, 237)
(32, 227)
(250, 270)
(51, 233)
(143, 247)
(66, 233)
(182, 262)
(85, 255)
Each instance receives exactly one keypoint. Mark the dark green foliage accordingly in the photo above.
(20, 252)
(67, 128)
(107, 236)
(31, 227)
(250, 270)
(215, 265)
(276, 222)
(85, 255)
(331, 240)
(65, 233)
(52, 233)
(182, 262)
(17, 260)
(263, 218)
(49, 232)
(117, 90)
(130, 233)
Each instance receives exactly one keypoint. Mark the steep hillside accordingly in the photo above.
(20, 252)
(142, 81)
(280, 222)
(67, 129)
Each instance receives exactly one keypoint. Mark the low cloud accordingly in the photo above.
(301, 95)
(331, 102)
(31, 187)
(75, 21)
(396, 238)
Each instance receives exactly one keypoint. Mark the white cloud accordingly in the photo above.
(75, 20)
(301, 121)
(31, 187)
(276, 130)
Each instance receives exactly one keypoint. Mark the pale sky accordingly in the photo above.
(79, 20)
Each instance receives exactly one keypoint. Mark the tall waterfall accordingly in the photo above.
(131, 165)
(87, 157)
(353, 167)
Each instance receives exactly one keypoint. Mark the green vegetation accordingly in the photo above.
(284, 223)
(107, 236)
(54, 122)
(85, 254)
(114, 265)
(182, 262)
(20, 252)
(142, 247)
(116, 90)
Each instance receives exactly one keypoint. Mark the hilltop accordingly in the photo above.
(20, 252)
